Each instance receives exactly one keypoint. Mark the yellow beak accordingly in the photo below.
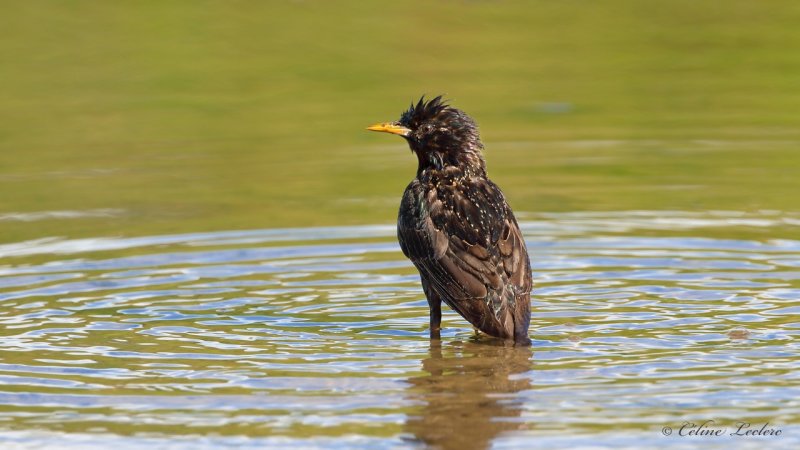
(390, 127)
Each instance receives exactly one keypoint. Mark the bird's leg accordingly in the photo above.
(435, 305)
(436, 318)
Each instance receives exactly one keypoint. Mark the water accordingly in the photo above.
(317, 337)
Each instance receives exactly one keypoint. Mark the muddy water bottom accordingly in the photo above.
(317, 338)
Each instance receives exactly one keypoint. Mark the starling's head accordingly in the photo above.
(438, 133)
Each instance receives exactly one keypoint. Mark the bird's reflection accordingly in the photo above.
(469, 394)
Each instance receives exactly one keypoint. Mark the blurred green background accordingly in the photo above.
(181, 116)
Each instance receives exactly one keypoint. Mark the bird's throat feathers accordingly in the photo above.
(467, 160)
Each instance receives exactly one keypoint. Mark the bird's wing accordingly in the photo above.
(467, 245)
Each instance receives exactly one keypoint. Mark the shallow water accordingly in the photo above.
(317, 337)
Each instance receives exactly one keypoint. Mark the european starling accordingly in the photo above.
(456, 227)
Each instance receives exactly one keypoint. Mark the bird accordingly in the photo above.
(457, 228)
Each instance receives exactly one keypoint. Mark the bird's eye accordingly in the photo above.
(427, 128)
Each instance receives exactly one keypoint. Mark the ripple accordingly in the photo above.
(318, 337)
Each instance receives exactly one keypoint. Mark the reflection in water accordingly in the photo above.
(473, 389)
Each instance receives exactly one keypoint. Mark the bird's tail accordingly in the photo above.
(510, 322)
(522, 319)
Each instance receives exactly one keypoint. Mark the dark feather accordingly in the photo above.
(456, 227)
(423, 111)
(470, 251)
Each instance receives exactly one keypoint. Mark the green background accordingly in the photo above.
(194, 116)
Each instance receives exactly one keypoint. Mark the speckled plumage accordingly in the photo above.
(456, 227)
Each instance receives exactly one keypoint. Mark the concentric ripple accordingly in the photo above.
(318, 338)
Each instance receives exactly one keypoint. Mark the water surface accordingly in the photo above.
(317, 337)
